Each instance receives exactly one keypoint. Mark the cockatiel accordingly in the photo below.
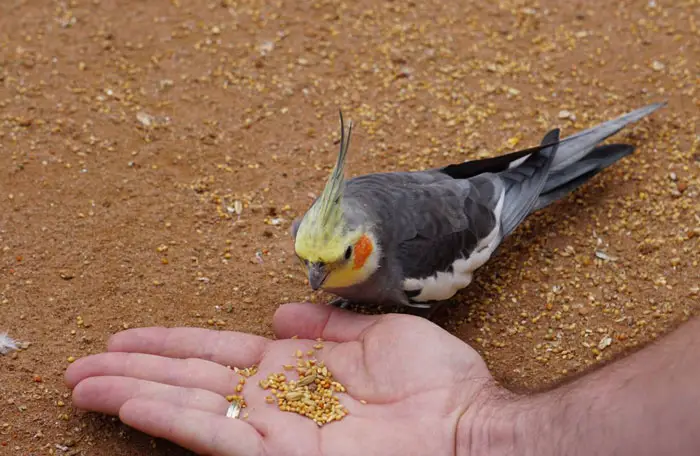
(416, 238)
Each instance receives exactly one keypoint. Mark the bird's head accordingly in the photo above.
(336, 246)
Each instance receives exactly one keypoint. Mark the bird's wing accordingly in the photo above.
(434, 235)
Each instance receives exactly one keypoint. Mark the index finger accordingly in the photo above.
(229, 348)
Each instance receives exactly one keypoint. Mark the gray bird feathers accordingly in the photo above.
(524, 183)
(578, 158)
(436, 227)
(570, 178)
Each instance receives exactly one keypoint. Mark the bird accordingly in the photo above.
(413, 239)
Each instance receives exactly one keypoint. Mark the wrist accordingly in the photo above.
(502, 423)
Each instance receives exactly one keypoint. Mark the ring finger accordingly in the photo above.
(192, 373)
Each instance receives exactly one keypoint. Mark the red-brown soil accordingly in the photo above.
(128, 131)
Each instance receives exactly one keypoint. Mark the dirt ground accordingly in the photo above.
(153, 155)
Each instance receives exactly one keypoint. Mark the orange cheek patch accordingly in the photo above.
(363, 249)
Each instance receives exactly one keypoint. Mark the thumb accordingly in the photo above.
(312, 321)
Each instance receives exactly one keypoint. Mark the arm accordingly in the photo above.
(645, 404)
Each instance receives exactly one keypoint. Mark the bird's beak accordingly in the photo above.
(317, 275)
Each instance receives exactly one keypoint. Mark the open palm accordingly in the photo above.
(408, 383)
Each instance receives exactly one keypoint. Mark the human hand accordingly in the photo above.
(417, 381)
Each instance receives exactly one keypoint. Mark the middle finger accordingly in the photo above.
(107, 395)
(230, 348)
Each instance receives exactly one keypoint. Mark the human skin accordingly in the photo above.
(426, 392)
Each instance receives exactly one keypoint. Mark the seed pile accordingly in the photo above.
(312, 395)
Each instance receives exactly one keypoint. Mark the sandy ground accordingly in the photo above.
(153, 154)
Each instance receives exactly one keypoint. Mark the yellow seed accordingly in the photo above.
(293, 395)
(318, 346)
(269, 399)
(299, 354)
(309, 379)
(71, 359)
(239, 388)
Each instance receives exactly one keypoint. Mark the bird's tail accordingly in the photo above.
(579, 157)
(566, 180)
(575, 147)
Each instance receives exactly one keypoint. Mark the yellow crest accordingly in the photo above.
(322, 231)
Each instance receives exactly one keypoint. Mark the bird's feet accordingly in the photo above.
(340, 303)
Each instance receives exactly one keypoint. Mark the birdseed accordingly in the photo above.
(244, 373)
(313, 395)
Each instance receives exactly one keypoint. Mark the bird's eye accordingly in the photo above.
(348, 253)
